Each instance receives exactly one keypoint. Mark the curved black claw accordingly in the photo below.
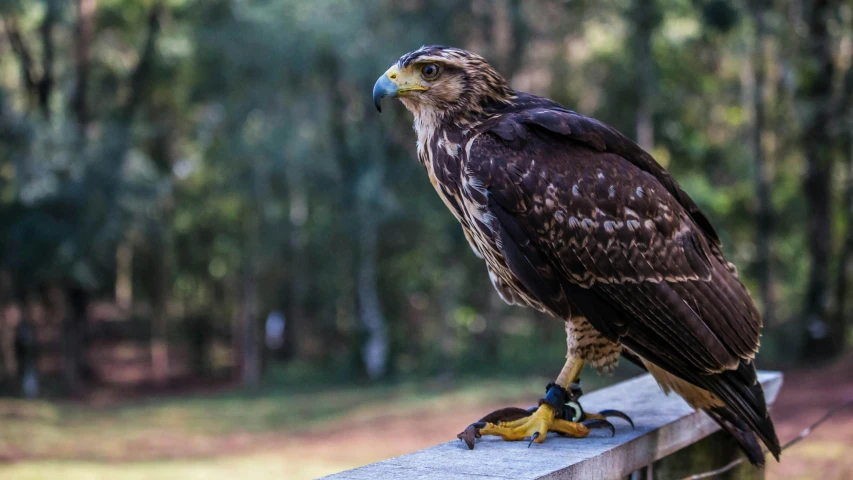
(533, 438)
(618, 414)
(470, 434)
(598, 423)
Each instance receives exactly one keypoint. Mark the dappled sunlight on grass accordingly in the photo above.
(204, 426)
(274, 433)
(306, 432)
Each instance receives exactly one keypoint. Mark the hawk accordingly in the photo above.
(574, 219)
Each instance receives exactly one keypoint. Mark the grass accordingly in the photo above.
(246, 434)
(305, 426)
(252, 466)
(44, 429)
(309, 430)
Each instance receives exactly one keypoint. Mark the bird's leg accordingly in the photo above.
(569, 379)
(559, 411)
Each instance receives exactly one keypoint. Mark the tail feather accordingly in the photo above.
(736, 402)
(747, 404)
(745, 438)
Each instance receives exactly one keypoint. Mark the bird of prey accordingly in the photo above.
(574, 219)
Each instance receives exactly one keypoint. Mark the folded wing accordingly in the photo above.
(585, 219)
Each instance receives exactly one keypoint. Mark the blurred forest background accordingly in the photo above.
(198, 192)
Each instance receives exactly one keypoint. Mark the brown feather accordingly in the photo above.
(561, 216)
(574, 219)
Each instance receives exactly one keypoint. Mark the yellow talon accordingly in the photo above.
(572, 429)
(542, 421)
(516, 424)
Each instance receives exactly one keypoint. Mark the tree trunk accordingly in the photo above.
(295, 310)
(124, 275)
(250, 365)
(45, 85)
(375, 349)
(646, 17)
(8, 321)
(449, 300)
(22, 53)
(74, 327)
(160, 300)
(845, 111)
(764, 210)
(847, 248)
(492, 334)
(26, 356)
(254, 226)
(140, 75)
(82, 41)
(823, 337)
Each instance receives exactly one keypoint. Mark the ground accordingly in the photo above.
(278, 433)
(806, 395)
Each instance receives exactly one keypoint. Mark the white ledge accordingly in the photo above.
(664, 424)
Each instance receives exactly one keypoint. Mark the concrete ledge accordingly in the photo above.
(664, 424)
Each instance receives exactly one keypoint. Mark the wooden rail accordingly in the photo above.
(670, 441)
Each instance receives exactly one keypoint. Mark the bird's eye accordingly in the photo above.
(430, 71)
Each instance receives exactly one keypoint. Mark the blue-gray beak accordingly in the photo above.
(384, 87)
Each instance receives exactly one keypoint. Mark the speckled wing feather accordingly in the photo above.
(586, 220)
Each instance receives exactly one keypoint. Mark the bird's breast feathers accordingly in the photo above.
(573, 217)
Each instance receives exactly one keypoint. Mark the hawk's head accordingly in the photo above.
(442, 81)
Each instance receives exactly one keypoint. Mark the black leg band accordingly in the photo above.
(564, 402)
(556, 396)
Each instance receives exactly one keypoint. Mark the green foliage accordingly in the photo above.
(250, 148)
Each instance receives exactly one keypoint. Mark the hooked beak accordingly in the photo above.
(394, 84)
(384, 87)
